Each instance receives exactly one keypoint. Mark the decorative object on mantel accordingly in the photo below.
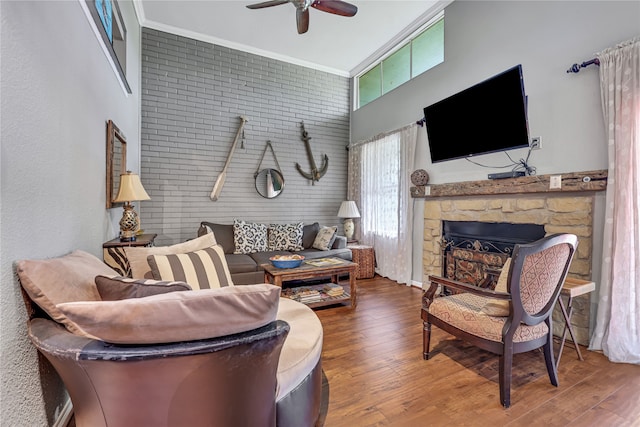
(348, 210)
(131, 189)
(420, 177)
(570, 182)
(316, 173)
(269, 182)
(217, 187)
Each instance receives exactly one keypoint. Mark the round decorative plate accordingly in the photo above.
(420, 177)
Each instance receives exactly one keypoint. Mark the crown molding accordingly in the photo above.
(237, 46)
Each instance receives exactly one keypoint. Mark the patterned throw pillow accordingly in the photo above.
(249, 237)
(203, 269)
(285, 237)
(115, 288)
(325, 238)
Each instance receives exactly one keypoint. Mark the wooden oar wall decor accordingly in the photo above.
(315, 173)
(217, 187)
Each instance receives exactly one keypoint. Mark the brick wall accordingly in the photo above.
(192, 95)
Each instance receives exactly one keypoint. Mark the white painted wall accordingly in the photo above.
(485, 38)
(57, 91)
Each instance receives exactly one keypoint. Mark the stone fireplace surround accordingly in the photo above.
(518, 201)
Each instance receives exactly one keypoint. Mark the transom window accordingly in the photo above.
(413, 56)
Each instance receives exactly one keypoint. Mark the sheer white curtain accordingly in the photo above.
(617, 330)
(379, 180)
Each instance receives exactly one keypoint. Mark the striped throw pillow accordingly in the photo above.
(203, 269)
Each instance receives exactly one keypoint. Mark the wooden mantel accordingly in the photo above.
(571, 182)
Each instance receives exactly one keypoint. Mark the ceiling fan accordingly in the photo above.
(337, 7)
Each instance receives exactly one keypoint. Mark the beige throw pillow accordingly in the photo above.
(203, 269)
(53, 281)
(325, 238)
(496, 307)
(137, 256)
(176, 316)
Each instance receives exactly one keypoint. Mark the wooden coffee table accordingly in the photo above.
(333, 269)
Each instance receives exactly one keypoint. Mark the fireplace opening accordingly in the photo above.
(474, 252)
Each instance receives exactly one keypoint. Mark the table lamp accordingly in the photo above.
(131, 189)
(348, 210)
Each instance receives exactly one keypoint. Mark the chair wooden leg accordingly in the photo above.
(426, 339)
(506, 360)
(548, 360)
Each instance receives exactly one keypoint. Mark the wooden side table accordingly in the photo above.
(365, 257)
(570, 289)
(113, 252)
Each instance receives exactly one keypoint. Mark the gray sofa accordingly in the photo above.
(246, 270)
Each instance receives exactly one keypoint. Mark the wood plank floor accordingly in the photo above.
(372, 359)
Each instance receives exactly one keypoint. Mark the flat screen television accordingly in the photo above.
(488, 117)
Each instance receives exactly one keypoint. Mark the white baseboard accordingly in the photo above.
(65, 415)
(416, 284)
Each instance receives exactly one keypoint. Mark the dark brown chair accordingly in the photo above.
(226, 381)
(267, 376)
(505, 323)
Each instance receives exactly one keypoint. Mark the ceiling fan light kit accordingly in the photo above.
(336, 7)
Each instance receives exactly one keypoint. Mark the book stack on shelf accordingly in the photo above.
(308, 296)
(312, 294)
(333, 290)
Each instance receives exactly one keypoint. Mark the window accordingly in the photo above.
(369, 85)
(412, 57)
(381, 167)
(379, 183)
(397, 69)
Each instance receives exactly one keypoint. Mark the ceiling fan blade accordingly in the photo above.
(337, 7)
(267, 4)
(302, 19)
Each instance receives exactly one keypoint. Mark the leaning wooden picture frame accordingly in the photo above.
(116, 162)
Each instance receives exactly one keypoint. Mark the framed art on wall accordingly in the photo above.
(104, 9)
(108, 25)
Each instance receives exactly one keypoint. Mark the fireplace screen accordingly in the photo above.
(474, 251)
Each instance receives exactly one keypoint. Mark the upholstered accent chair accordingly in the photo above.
(511, 319)
(142, 352)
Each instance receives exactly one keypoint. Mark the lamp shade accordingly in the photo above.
(131, 188)
(348, 209)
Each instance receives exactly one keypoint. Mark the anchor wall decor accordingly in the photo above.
(315, 173)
